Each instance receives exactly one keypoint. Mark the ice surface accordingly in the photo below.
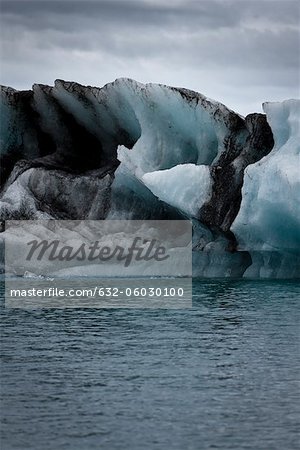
(268, 223)
(185, 186)
(173, 130)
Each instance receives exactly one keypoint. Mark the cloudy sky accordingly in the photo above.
(240, 52)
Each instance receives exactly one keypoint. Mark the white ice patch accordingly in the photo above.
(185, 186)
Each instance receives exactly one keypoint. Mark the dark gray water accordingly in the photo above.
(223, 375)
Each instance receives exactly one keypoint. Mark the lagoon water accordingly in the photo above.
(221, 375)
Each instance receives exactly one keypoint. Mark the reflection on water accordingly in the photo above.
(222, 374)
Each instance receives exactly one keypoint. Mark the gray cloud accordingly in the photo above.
(239, 52)
(213, 13)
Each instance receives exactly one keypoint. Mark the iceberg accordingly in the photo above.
(154, 152)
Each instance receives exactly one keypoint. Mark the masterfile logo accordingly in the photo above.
(46, 259)
(140, 250)
(99, 248)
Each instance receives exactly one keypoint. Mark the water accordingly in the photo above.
(222, 375)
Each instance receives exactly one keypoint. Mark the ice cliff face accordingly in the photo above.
(268, 222)
(137, 151)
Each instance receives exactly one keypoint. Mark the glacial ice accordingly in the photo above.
(268, 222)
(134, 151)
(185, 186)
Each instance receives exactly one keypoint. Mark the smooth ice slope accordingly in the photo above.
(185, 186)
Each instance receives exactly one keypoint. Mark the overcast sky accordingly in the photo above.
(240, 52)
